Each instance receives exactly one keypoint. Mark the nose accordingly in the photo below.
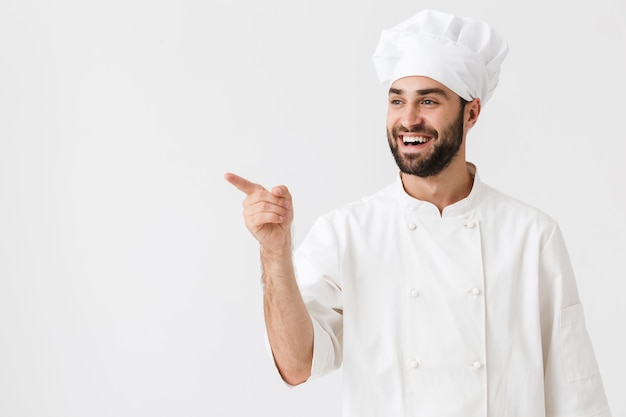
(410, 116)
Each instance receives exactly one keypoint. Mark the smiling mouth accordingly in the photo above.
(415, 140)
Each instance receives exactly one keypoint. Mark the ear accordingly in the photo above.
(472, 111)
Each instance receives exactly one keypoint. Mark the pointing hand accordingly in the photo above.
(267, 214)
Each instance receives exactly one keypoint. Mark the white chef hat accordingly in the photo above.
(463, 54)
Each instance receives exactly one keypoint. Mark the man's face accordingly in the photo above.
(425, 125)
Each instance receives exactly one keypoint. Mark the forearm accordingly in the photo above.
(268, 216)
(289, 327)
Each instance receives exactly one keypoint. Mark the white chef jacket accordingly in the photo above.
(471, 312)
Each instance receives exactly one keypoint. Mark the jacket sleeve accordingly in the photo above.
(317, 270)
(572, 382)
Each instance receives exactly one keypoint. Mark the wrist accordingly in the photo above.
(276, 252)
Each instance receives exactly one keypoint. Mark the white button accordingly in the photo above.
(414, 364)
(470, 224)
(412, 226)
(477, 365)
(475, 291)
(415, 293)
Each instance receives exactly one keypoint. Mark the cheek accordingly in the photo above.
(392, 120)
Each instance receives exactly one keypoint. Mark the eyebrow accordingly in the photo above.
(424, 92)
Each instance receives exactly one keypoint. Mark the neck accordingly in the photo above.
(451, 185)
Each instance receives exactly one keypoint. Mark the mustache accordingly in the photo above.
(416, 129)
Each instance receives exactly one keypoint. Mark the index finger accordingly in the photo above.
(242, 184)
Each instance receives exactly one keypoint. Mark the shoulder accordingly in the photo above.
(358, 215)
(382, 200)
(497, 199)
(500, 209)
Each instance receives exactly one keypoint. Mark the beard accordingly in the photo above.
(445, 145)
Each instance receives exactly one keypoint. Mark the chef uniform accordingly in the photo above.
(471, 312)
(468, 312)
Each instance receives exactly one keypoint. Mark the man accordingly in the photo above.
(438, 295)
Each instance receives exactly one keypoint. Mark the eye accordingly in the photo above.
(395, 102)
(428, 102)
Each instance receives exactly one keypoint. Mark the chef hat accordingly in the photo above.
(463, 54)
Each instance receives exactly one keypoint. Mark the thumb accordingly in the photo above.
(282, 191)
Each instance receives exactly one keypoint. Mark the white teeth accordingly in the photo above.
(414, 139)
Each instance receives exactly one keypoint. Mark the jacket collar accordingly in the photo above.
(462, 207)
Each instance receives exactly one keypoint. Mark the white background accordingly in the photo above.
(128, 283)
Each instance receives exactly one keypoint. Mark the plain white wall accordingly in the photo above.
(128, 283)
